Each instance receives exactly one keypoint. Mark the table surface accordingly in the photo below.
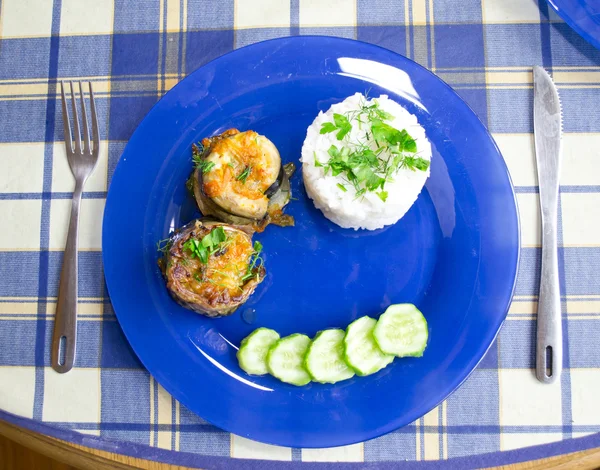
(133, 55)
(85, 457)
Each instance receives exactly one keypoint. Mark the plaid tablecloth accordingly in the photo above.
(133, 52)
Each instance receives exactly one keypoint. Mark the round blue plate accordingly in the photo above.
(454, 254)
(581, 15)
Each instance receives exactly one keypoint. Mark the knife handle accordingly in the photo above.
(549, 353)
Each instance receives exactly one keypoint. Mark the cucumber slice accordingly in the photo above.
(324, 360)
(285, 359)
(402, 331)
(252, 355)
(361, 352)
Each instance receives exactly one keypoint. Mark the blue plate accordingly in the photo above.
(581, 15)
(454, 254)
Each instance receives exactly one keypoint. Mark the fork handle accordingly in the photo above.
(64, 338)
(549, 320)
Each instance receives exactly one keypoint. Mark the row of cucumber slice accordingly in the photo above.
(366, 347)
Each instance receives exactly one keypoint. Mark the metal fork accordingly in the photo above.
(82, 160)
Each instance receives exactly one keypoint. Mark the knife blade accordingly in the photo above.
(547, 126)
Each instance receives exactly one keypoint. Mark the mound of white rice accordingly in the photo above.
(368, 211)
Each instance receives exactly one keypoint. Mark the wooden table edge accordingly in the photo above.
(90, 458)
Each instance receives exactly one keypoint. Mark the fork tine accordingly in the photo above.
(77, 136)
(66, 122)
(95, 130)
(85, 128)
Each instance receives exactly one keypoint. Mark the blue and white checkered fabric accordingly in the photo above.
(133, 52)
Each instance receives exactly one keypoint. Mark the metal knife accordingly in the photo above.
(547, 126)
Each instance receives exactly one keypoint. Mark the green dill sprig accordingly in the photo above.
(243, 176)
(163, 246)
(206, 166)
(198, 160)
(255, 262)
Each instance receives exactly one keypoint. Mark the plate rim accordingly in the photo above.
(567, 16)
(383, 430)
(147, 452)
